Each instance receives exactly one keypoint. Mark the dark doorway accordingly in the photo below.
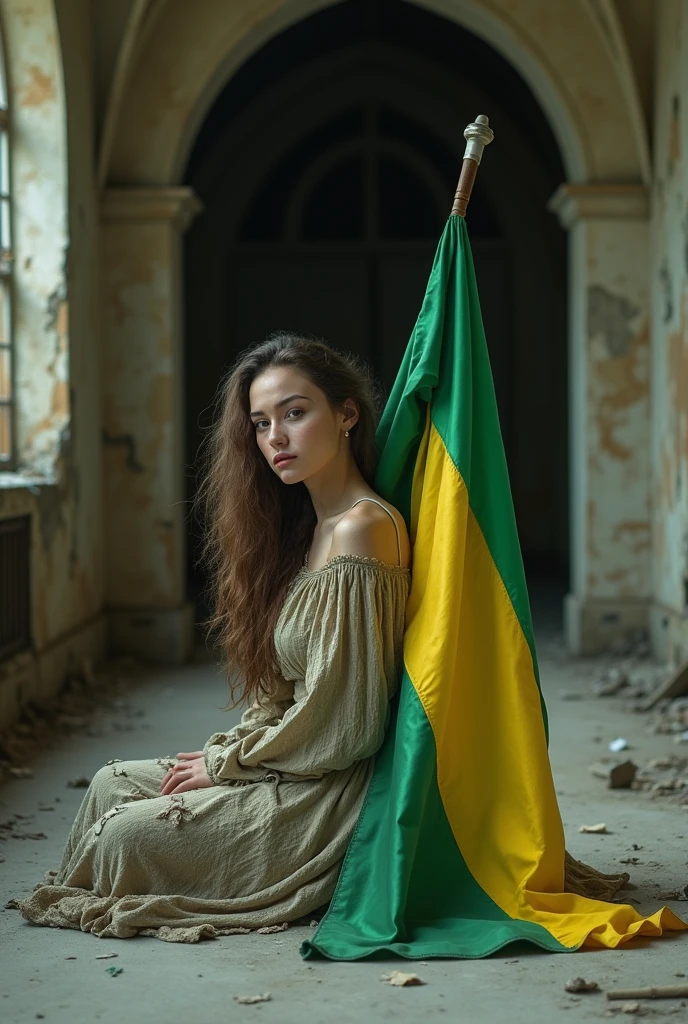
(327, 167)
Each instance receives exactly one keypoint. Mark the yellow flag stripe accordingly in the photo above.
(469, 661)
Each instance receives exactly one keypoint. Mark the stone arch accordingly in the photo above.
(185, 60)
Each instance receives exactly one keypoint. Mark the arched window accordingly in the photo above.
(6, 259)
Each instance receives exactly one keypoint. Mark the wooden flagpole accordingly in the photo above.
(478, 134)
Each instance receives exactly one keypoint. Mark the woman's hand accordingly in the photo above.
(188, 773)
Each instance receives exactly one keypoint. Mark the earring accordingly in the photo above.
(346, 433)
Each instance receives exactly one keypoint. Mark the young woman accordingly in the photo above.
(311, 573)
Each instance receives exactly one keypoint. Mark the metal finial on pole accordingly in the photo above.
(477, 135)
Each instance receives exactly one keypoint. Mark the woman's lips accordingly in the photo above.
(284, 460)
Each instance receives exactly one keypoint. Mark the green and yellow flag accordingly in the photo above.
(459, 848)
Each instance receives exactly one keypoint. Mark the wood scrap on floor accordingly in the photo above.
(675, 686)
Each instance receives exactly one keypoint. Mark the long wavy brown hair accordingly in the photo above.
(256, 528)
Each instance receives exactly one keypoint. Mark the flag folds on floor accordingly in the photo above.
(459, 848)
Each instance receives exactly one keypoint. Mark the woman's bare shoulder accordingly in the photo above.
(366, 529)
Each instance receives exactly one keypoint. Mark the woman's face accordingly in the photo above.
(291, 415)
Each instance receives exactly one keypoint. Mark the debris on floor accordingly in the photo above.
(675, 685)
(680, 893)
(248, 1000)
(610, 683)
(90, 701)
(618, 774)
(651, 992)
(9, 829)
(581, 985)
(594, 829)
(113, 971)
(641, 687)
(401, 980)
(664, 776)
(637, 683)
(671, 717)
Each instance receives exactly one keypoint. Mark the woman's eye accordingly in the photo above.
(259, 423)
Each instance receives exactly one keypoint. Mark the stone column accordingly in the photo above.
(143, 451)
(609, 499)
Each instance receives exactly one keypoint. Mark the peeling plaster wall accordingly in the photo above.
(57, 483)
(610, 384)
(670, 320)
(143, 421)
(618, 357)
(142, 460)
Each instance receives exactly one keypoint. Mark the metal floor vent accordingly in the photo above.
(15, 605)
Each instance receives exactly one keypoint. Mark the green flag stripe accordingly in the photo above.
(464, 411)
(434, 907)
(446, 363)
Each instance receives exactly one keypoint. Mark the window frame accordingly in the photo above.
(7, 374)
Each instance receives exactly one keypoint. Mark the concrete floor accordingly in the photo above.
(176, 709)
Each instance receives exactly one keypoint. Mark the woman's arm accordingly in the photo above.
(353, 662)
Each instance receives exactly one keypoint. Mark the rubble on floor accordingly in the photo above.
(636, 680)
(671, 717)
(91, 701)
(664, 776)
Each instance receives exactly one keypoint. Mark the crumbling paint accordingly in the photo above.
(613, 438)
(611, 316)
(38, 88)
(636, 534)
(622, 384)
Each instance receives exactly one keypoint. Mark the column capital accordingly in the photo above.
(600, 201)
(178, 206)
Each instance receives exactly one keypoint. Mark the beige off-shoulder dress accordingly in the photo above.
(266, 843)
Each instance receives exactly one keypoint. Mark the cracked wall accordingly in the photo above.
(141, 433)
(610, 411)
